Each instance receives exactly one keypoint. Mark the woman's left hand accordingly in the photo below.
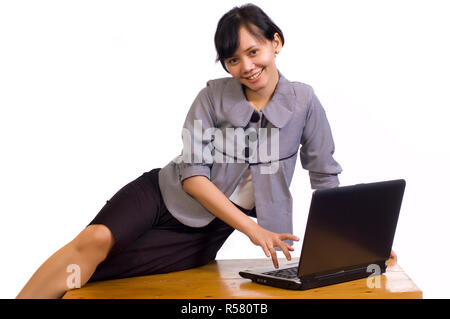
(392, 259)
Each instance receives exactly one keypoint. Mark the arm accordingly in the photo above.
(316, 153)
(207, 194)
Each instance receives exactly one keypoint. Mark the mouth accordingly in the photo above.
(255, 77)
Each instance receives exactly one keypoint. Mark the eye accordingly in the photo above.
(233, 60)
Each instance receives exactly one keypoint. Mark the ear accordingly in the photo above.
(276, 42)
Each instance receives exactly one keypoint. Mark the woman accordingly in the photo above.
(179, 216)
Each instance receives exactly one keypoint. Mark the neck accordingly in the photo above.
(260, 98)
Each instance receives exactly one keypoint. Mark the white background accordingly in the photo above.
(95, 93)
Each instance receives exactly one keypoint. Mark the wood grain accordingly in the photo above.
(220, 280)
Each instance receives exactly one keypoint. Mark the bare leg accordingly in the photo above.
(86, 251)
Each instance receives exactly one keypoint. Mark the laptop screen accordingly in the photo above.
(350, 226)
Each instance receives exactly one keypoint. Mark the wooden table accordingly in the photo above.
(220, 280)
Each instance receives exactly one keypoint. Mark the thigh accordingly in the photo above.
(131, 211)
(166, 248)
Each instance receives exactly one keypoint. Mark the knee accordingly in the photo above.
(96, 239)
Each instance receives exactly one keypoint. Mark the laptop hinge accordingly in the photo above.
(379, 267)
(341, 273)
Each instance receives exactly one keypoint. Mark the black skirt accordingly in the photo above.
(148, 239)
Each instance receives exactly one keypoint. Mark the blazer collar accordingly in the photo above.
(278, 111)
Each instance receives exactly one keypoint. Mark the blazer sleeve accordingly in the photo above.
(197, 136)
(316, 152)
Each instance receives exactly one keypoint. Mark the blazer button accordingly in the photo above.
(252, 136)
(247, 152)
(255, 117)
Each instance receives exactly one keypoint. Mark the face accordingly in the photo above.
(254, 57)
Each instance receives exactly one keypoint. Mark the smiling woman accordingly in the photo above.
(179, 216)
(247, 42)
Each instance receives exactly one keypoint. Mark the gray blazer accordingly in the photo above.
(293, 122)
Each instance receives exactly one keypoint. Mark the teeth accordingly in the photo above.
(255, 76)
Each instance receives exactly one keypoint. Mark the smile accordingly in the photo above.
(255, 76)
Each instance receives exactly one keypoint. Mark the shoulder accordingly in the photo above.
(302, 90)
(218, 85)
(213, 90)
(219, 81)
(307, 96)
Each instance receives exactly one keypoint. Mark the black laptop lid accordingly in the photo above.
(350, 226)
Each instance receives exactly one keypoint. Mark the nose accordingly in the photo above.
(247, 65)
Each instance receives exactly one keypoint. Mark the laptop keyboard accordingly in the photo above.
(284, 273)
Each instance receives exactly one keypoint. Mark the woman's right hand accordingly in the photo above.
(268, 240)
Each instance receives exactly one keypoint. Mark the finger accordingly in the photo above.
(288, 246)
(289, 236)
(266, 251)
(274, 256)
(285, 251)
(393, 255)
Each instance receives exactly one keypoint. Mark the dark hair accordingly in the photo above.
(226, 38)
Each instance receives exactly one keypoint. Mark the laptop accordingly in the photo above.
(348, 236)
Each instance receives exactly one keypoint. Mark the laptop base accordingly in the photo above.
(313, 281)
(310, 282)
(273, 282)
